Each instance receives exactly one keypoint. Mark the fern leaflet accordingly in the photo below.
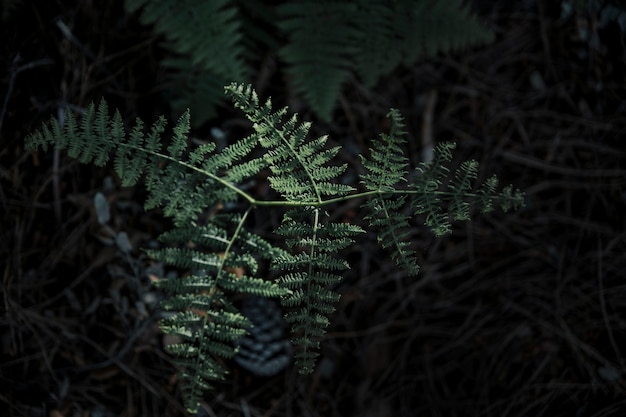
(386, 170)
(300, 172)
(428, 193)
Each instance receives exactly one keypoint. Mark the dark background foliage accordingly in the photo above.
(518, 314)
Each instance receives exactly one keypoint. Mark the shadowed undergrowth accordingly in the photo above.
(514, 315)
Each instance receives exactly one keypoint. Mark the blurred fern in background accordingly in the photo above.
(322, 43)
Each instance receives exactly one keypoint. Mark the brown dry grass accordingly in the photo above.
(519, 314)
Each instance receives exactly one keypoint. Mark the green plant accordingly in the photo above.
(323, 43)
(227, 259)
(330, 40)
(205, 39)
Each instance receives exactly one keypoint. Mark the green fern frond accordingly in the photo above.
(386, 171)
(203, 337)
(328, 41)
(207, 45)
(207, 31)
(378, 51)
(309, 274)
(430, 27)
(183, 182)
(406, 30)
(430, 193)
(302, 175)
(222, 258)
(433, 192)
(192, 86)
(299, 167)
(318, 52)
(232, 254)
(427, 183)
(460, 185)
(388, 165)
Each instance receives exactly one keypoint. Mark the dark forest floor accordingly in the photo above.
(517, 314)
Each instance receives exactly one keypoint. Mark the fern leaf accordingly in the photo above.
(302, 174)
(192, 86)
(222, 257)
(409, 29)
(432, 195)
(434, 191)
(378, 51)
(328, 41)
(215, 42)
(510, 198)
(300, 170)
(393, 235)
(230, 249)
(461, 185)
(310, 274)
(430, 27)
(386, 170)
(427, 183)
(207, 46)
(180, 186)
(319, 49)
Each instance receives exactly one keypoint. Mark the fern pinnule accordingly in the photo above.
(388, 165)
(510, 198)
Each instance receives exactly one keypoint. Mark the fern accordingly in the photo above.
(409, 29)
(431, 27)
(386, 171)
(329, 40)
(322, 42)
(184, 182)
(428, 193)
(318, 54)
(222, 258)
(301, 174)
(194, 87)
(206, 45)
(208, 31)
(205, 319)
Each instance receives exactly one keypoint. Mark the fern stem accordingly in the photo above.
(309, 281)
(290, 203)
(302, 164)
(214, 289)
(230, 244)
(220, 180)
